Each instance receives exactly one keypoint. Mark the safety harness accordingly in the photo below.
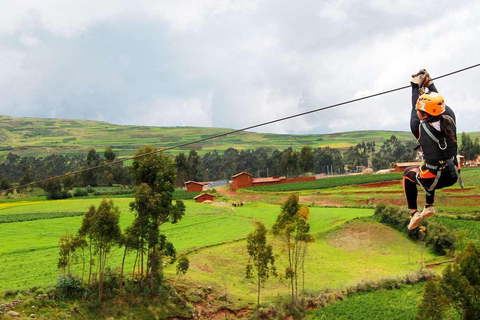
(442, 164)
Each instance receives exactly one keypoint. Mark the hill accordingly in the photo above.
(40, 137)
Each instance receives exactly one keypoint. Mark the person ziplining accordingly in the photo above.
(434, 126)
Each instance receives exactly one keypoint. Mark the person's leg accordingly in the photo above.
(411, 193)
(446, 180)
(410, 187)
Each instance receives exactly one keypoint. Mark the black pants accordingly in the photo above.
(426, 178)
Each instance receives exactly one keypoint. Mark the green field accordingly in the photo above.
(39, 137)
(350, 246)
(385, 304)
(214, 238)
(330, 182)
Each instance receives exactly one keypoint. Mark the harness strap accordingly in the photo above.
(451, 166)
(434, 184)
(454, 172)
(430, 134)
(417, 176)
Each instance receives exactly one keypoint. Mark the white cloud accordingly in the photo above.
(230, 63)
(28, 40)
(334, 10)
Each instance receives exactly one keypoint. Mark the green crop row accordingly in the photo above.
(471, 228)
(331, 182)
(385, 304)
(9, 218)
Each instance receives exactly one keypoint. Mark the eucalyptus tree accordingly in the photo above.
(292, 228)
(155, 174)
(261, 261)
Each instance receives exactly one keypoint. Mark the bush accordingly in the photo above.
(438, 236)
(111, 280)
(68, 287)
(80, 193)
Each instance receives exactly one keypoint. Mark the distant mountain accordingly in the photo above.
(40, 137)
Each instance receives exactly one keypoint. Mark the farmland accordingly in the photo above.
(227, 225)
(40, 137)
(349, 246)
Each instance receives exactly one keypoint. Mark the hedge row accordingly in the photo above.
(331, 182)
(9, 218)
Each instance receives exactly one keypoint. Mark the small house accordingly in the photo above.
(242, 180)
(193, 186)
(204, 197)
(401, 166)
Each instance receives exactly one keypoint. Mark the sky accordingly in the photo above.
(236, 63)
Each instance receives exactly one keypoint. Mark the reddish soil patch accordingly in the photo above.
(455, 190)
(232, 193)
(203, 268)
(381, 184)
(320, 203)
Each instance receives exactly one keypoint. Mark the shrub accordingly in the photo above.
(438, 236)
(80, 193)
(68, 287)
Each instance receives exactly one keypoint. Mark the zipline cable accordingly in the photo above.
(234, 131)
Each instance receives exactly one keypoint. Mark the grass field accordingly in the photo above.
(386, 304)
(40, 137)
(342, 254)
(350, 246)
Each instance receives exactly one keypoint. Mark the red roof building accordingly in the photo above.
(193, 186)
(204, 197)
(242, 180)
(401, 166)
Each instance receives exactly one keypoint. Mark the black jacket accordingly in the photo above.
(431, 151)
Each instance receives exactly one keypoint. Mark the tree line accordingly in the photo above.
(214, 165)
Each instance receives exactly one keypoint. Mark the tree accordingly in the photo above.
(261, 257)
(460, 284)
(86, 232)
(54, 189)
(306, 159)
(109, 154)
(469, 149)
(110, 157)
(289, 163)
(68, 181)
(25, 179)
(66, 245)
(5, 185)
(434, 304)
(155, 174)
(182, 169)
(193, 165)
(182, 265)
(211, 166)
(292, 228)
(325, 158)
(90, 176)
(106, 234)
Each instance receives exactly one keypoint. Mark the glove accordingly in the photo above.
(422, 78)
(419, 78)
(428, 80)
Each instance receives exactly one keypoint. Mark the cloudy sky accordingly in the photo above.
(235, 63)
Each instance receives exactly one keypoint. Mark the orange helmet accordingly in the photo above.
(431, 103)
